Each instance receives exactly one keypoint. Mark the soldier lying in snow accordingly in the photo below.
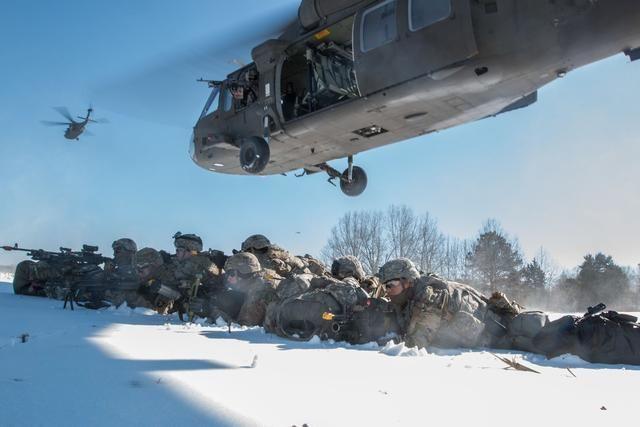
(434, 312)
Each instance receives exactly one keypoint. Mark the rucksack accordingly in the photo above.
(597, 337)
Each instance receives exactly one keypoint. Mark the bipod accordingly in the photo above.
(68, 298)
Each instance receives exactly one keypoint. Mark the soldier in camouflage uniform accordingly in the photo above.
(350, 266)
(435, 312)
(30, 278)
(274, 260)
(243, 273)
(190, 262)
(122, 269)
(158, 287)
(448, 314)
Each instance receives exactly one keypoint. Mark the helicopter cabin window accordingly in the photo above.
(379, 26)
(423, 13)
(318, 72)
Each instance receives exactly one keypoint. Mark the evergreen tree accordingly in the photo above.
(533, 277)
(602, 280)
(494, 261)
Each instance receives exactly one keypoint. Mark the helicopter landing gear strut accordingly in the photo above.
(353, 180)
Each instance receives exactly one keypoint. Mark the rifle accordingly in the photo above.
(192, 305)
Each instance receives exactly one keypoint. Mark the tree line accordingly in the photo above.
(491, 261)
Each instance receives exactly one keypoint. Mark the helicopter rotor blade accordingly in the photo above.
(166, 92)
(64, 112)
(48, 123)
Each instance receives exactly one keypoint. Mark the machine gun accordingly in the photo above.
(88, 255)
(375, 321)
(74, 271)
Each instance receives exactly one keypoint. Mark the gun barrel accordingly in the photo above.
(16, 248)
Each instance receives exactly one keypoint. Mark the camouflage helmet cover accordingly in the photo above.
(190, 242)
(243, 263)
(257, 242)
(347, 266)
(125, 244)
(400, 268)
(148, 257)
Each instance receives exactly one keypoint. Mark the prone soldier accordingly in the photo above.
(274, 260)
(243, 274)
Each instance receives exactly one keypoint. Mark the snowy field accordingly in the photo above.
(124, 367)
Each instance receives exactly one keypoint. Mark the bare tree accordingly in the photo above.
(454, 255)
(360, 234)
(430, 245)
(402, 227)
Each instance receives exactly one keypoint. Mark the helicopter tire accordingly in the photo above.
(358, 182)
(254, 155)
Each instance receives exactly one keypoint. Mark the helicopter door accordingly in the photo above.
(398, 40)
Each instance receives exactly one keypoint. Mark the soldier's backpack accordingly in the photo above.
(608, 337)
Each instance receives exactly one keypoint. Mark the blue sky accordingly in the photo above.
(562, 174)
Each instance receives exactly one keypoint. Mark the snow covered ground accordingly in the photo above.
(134, 368)
(6, 277)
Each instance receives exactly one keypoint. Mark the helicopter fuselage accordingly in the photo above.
(74, 130)
(345, 87)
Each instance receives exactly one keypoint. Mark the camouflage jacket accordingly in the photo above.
(442, 313)
(280, 261)
(259, 293)
(184, 272)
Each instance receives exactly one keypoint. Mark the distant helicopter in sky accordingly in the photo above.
(74, 128)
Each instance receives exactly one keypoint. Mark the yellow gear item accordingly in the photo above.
(328, 316)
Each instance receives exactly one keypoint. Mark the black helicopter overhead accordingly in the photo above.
(347, 76)
(74, 128)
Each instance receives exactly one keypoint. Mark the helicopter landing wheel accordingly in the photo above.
(356, 185)
(254, 155)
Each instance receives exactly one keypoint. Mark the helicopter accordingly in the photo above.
(347, 76)
(74, 128)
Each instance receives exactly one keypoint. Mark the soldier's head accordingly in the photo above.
(255, 243)
(242, 265)
(124, 251)
(398, 275)
(148, 260)
(187, 245)
(347, 266)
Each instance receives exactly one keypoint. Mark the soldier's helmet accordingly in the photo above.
(256, 242)
(190, 242)
(347, 266)
(126, 245)
(244, 263)
(400, 268)
(148, 257)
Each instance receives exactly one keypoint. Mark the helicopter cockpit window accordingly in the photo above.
(423, 13)
(379, 26)
(212, 102)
